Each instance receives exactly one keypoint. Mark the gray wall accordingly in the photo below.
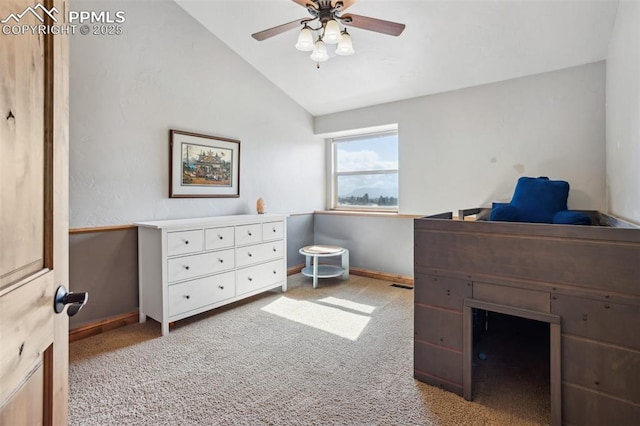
(167, 71)
(623, 114)
(468, 147)
(105, 264)
(374, 243)
(300, 233)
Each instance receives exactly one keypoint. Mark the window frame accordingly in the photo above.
(334, 142)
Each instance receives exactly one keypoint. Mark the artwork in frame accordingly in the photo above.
(203, 166)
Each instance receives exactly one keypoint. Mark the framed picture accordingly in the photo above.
(203, 166)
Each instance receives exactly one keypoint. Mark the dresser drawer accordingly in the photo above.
(272, 231)
(184, 242)
(183, 268)
(258, 253)
(255, 277)
(218, 238)
(200, 292)
(248, 234)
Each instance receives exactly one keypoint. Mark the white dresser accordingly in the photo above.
(188, 266)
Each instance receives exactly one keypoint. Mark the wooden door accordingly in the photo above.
(33, 219)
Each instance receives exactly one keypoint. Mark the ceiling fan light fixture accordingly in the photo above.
(305, 40)
(331, 32)
(345, 46)
(319, 53)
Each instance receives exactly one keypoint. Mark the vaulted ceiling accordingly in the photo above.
(447, 45)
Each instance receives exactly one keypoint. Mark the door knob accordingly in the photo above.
(75, 301)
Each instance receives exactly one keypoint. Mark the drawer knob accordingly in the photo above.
(250, 255)
(274, 272)
(249, 233)
(220, 260)
(220, 237)
(221, 287)
(186, 241)
(186, 267)
(187, 296)
(274, 249)
(250, 279)
(274, 229)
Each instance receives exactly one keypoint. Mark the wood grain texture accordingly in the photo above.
(28, 395)
(60, 217)
(612, 323)
(447, 363)
(389, 215)
(21, 145)
(587, 257)
(33, 212)
(24, 343)
(97, 229)
(442, 292)
(385, 276)
(439, 327)
(102, 326)
(591, 364)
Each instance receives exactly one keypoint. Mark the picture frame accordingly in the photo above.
(202, 166)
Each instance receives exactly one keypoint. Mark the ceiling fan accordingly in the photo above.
(326, 16)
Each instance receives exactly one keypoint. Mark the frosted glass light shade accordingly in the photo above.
(319, 53)
(331, 32)
(345, 47)
(305, 40)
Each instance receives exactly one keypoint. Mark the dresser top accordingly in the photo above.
(211, 221)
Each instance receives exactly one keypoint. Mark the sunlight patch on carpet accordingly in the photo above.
(336, 321)
(365, 309)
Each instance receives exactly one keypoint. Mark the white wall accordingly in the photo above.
(623, 114)
(467, 148)
(166, 71)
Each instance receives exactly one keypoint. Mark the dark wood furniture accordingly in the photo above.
(582, 280)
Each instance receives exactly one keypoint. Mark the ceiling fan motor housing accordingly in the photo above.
(324, 11)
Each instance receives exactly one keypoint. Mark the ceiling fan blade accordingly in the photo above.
(306, 3)
(345, 3)
(373, 24)
(263, 35)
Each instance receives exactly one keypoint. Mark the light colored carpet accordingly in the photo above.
(340, 354)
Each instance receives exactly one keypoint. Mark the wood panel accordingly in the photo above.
(28, 395)
(512, 296)
(442, 291)
(608, 322)
(438, 382)
(584, 257)
(21, 147)
(603, 368)
(583, 407)
(438, 362)
(438, 326)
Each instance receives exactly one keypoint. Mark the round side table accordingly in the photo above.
(315, 270)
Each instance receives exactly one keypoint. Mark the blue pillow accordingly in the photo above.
(569, 217)
(504, 213)
(538, 199)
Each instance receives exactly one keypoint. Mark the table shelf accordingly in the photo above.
(324, 271)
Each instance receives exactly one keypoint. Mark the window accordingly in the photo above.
(364, 172)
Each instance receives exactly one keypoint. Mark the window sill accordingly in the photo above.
(368, 214)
